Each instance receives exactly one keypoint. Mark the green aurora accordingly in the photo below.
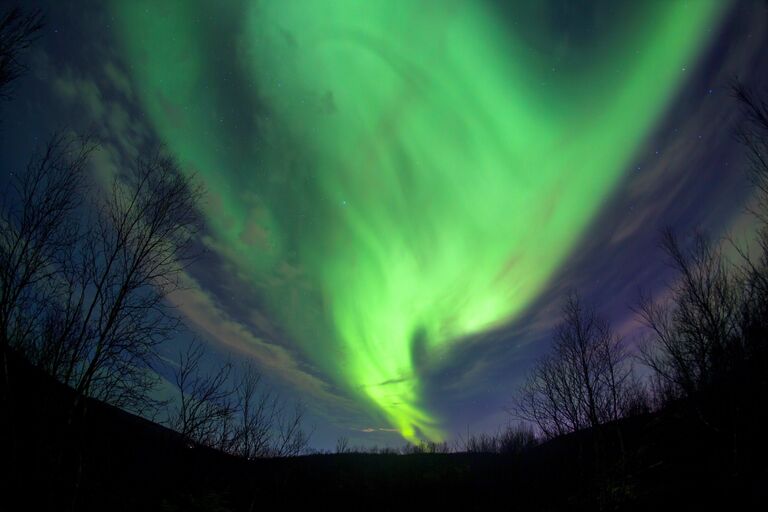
(391, 176)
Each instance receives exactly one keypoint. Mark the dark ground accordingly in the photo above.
(669, 460)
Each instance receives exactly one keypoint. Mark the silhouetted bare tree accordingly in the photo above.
(109, 315)
(18, 29)
(512, 439)
(342, 445)
(708, 343)
(584, 381)
(694, 330)
(753, 271)
(292, 439)
(229, 410)
(267, 426)
(39, 228)
(84, 277)
(205, 402)
(753, 134)
(750, 381)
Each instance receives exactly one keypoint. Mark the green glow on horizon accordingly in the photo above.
(419, 165)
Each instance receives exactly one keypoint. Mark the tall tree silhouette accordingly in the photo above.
(18, 29)
(101, 333)
(693, 331)
(229, 409)
(585, 380)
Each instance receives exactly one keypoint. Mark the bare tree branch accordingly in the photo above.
(18, 30)
(231, 411)
(584, 381)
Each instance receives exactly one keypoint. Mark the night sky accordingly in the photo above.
(400, 192)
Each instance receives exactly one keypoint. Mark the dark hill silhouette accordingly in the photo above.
(650, 461)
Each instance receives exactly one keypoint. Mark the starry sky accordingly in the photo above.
(399, 192)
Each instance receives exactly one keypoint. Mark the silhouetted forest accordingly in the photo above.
(84, 276)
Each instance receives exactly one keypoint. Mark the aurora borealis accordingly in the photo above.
(419, 133)
(388, 180)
